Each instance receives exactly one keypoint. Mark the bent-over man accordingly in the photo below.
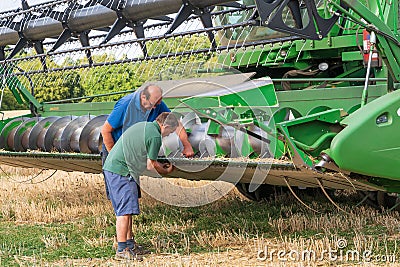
(136, 150)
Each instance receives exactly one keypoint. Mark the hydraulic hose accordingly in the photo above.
(372, 41)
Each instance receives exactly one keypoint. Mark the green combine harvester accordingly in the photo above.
(302, 94)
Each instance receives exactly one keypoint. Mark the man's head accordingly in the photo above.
(167, 122)
(150, 97)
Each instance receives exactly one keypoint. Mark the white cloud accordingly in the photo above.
(6, 5)
(9, 5)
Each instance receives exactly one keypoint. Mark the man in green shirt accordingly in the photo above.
(136, 150)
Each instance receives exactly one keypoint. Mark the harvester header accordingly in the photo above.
(280, 93)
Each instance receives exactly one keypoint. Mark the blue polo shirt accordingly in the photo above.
(127, 111)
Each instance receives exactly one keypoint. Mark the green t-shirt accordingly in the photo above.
(130, 153)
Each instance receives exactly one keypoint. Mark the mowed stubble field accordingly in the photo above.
(66, 220)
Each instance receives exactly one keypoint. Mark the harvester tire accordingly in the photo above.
(263, 192)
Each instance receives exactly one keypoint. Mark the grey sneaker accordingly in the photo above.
(140, 250)
(127, 254)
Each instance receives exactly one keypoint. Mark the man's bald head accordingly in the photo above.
(151, 96)
(152, 89)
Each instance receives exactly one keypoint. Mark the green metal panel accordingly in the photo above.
(370, 143)
(95, 108)
(341, 97)
(396, 19)
(313, 133)
(335, 42)
(258, 93)
(351, 56)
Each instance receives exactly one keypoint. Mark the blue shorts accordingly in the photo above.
(104, 155)
(123, 193)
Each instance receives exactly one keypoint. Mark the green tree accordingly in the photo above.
(10, 103)
(108, 79)
(58, 85)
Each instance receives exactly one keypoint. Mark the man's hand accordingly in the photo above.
(162, 169)
(188, 151)
(187, 147)
(168, 167)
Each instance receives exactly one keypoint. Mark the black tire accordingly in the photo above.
(263, 192)
(388, 201)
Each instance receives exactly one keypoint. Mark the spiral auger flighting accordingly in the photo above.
(70, 143)
(80, 134)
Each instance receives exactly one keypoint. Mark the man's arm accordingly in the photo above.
(154, 165)
(115, 120)
(108, 140)
(187, 147)
(180, 131)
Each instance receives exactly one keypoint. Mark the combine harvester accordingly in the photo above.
(316, 103)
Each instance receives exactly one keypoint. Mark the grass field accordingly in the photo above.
(67, 221)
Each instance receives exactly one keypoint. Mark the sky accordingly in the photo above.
(13, 4)
(6, 5)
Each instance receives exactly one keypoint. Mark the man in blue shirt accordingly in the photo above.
(143, 105)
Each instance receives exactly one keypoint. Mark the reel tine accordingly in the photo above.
(389, 201)
(328, 197)
(297, 197)
(362, 200)
(394, 206)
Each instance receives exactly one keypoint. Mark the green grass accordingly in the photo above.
(49, 242)
(231, 222)
(169, 229)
